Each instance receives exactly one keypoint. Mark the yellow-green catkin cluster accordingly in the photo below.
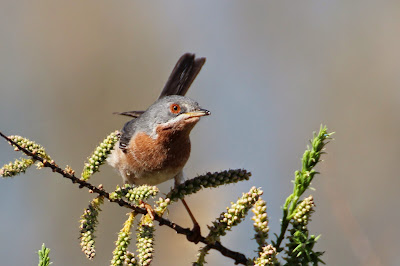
(88, 225)
(21, 165)
(30, 146)
(124, 238)
(145, 240)
(260, 224)
(234, 215)
(267, 256)
(302, 213)
(192, 186)
(162, 205)
(134, 194)
(130, 259)
(208, 180)
(100, 155)
(15, 168)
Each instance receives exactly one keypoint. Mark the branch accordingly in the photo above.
(239, 258)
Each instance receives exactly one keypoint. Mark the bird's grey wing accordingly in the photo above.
(126, 134)
(183, 75)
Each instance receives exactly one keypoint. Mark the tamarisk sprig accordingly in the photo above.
(301, 244)
(130, 259)
(209, 180)
(88, 225)
(267, 256)
(21, 165)
(29, 145)
(238, 257)
(232, 217)
(17, 167)
(44, 256)
(260, 224)
(145, 240)
(303, 179)
(134, 194)
(124, 239)
(99, 155)
(201, 256)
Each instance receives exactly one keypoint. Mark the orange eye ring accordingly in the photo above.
(175, 108)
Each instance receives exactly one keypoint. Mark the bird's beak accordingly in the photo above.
(198, 113)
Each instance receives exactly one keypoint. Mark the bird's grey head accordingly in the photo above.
(170, 111)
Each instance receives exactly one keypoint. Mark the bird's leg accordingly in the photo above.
(148, 208)
(195, 223)
(196, 233)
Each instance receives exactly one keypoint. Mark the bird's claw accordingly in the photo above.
(195, 234)
(148, 208)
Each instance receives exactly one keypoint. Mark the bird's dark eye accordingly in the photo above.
(175, 108)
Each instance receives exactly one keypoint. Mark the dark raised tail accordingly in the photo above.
(182, 76)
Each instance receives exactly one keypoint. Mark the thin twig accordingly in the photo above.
(239, 258)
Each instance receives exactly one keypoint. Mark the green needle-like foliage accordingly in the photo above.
(99, 155)
(44, 259)
(301, 247)
(88, 224)
(301, 244)
(303, 179)
(201, 256)
(310, 159)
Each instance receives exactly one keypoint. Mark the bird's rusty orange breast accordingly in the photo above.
(170, 150)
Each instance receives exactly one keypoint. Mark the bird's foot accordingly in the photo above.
(195, 234)
(148, 208)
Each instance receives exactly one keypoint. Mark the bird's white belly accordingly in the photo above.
(130, 175)
(151, 178)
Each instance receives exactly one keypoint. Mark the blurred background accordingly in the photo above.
(275, 71)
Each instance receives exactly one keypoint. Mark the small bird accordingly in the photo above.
(155, 145)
